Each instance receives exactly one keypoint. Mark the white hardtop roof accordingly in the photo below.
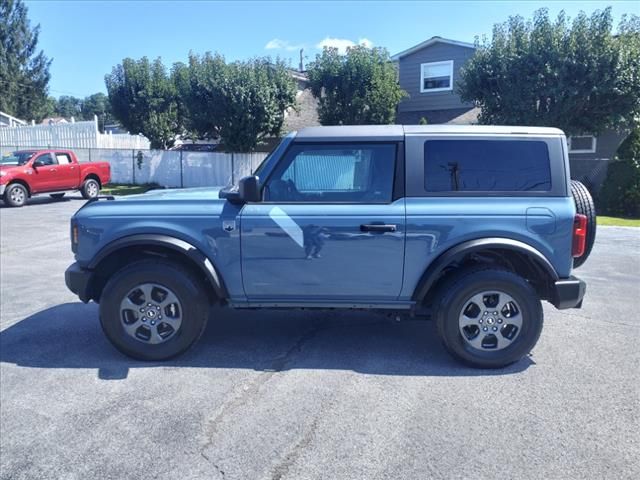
(397, 132)
(481, 129)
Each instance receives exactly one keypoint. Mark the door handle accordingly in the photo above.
(378, 228)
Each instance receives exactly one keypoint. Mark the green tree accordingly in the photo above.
(69, 106)
(24, 72)
(97, 105)
(577, 76)
(620, 194)
(240, 102)
(360, 87)
(143, 99)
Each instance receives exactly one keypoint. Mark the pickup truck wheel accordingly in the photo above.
(15, 195)
(90, 188)
(57, 196)
(153, 309)
(489, 318)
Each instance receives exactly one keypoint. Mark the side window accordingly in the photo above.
(63, 159)
(47, 159)
(346, 173)
(487, 166)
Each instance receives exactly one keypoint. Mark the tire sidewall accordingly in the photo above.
(7, 195)
(85, 188)
(519, 290)
(189, 292)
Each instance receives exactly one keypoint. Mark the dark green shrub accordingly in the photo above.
(620, 194)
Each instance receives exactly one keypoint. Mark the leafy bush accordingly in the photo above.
(620, 194)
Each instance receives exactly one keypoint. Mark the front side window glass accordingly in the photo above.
(331, 173)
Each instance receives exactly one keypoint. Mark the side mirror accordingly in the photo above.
(248, 190)
(37, 163)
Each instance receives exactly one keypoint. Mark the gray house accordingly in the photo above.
(429, 71)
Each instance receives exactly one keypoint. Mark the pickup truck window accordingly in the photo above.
(345, 173)
(63, 159)
(487, 166)
(47, 159)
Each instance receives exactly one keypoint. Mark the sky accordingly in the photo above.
(87, 38)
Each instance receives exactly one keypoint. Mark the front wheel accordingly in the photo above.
(90, 188)
(489, 318)
(16, 195)
(153, 309)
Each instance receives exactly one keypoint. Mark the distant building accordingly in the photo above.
(55, 121)
(306, 112)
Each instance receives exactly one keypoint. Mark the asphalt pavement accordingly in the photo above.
(299, 395)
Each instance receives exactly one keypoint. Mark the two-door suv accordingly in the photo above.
(474, 226)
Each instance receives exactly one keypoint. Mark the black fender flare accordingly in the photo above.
(457, 252)
(173, 243)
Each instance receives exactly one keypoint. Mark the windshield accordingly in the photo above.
(278, 150)
(16, 158)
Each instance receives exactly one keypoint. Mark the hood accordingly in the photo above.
(199, 193)
(158, 203)
(6, 168)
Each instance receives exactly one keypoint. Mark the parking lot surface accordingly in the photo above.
(295, 395)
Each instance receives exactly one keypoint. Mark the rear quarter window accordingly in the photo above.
(486, 166)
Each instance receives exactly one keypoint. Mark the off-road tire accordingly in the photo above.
(455, 293)
(585, 206)
(189, 290)
(15, 195)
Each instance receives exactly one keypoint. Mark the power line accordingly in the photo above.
(10, 82)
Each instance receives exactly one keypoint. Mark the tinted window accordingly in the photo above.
(47, 159)
(486, 166)
(332, 173)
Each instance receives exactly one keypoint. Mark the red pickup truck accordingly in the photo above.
(27, 173)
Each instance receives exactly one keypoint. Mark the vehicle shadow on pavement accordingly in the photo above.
(70, 336)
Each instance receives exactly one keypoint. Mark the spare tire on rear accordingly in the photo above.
(584, 206)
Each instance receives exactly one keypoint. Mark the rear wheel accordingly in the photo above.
(153, 309)
(90, 188)
(489, 318)
(16, 195)
(584, 206)
(57, 196)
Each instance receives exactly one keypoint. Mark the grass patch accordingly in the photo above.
(121, 189)
(619, 222)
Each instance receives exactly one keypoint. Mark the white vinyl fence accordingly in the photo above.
(169, 168)
(69, 135)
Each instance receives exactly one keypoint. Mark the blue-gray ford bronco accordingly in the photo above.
(472, 226)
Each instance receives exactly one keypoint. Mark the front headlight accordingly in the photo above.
(2, 173)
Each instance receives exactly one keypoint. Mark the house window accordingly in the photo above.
(436, 76)
(582, 144)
